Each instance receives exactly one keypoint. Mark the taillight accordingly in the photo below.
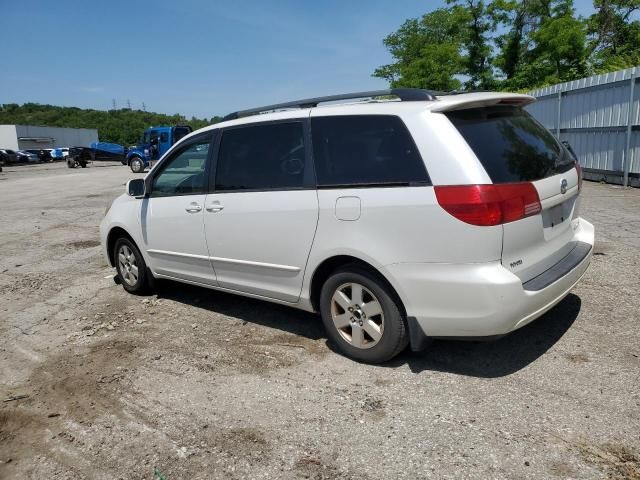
(487, 205)
(579, 169)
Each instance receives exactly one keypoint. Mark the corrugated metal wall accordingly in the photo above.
(600, 117)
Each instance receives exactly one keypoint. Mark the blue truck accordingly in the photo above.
(153, 144)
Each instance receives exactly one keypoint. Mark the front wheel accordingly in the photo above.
(131, 267)
(361, 316)
(137, 165)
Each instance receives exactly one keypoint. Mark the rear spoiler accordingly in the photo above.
(475, 100)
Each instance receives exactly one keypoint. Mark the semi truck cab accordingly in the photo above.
(154, 143)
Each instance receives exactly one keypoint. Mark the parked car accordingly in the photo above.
(43, 154)
(8, 156)
(436, 216)
(46, 154)
(26, 156)
(59, 153)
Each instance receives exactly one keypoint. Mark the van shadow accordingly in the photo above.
(258, 312)
(489, 359)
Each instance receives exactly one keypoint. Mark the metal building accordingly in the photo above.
(22, 137)
(600, 117)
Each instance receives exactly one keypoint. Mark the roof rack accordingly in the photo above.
(404, 94)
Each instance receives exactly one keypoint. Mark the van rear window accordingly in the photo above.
(511, 145)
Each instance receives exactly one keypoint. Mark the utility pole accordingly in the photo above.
(630, 118)
(128, 104)
(113, 104)
(144, 107)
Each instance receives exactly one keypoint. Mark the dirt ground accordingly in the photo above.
(194, 384)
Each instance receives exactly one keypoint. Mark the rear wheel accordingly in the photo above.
(131, 267)
(362, 316)
(136, 164)
(71, 163)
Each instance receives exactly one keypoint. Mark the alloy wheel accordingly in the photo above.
(357, 315)
(128, 265)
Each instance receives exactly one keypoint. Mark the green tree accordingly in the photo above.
(560, 53)
(514, 16)
(442, 47)
(477, 24)
(614, 35)
(510, 44)
(544, 43)
(426, 52)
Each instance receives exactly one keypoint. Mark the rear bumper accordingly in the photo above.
(485, 299)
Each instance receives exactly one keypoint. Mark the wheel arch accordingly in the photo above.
(324, 270)
(132, 156)
(112, 237)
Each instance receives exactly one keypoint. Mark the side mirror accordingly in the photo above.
(135, 187)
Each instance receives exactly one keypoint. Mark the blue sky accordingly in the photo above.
(195, 57)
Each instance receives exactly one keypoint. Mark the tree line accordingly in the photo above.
(123, 126)
(511, 44)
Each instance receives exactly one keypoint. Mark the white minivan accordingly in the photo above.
(401, 217)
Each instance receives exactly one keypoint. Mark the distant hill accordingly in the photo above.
(123, 126)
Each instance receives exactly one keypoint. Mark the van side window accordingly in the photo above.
(164, 137)
(261, 157)
(185, 172)
(363, 150)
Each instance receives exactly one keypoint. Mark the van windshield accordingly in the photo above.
(511, 145)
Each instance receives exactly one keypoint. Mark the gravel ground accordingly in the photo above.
(191, 383)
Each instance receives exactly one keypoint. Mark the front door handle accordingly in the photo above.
(215, 208)
(193, 208)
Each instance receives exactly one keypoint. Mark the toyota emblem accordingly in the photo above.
(563, 186)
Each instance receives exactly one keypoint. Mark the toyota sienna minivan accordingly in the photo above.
(400, 216)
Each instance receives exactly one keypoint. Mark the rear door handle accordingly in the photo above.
(215, 208)
(193, 208)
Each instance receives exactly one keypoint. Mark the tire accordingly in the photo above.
(127, 264)
(137, 165)
(83, 164)
(71, 163)
(357, 336)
